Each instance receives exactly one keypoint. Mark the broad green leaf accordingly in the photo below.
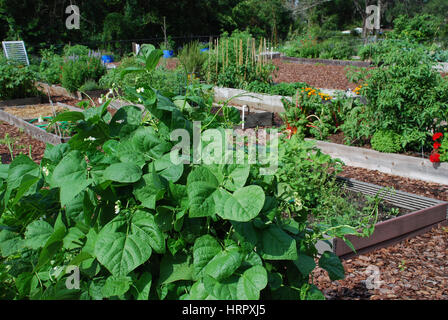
(179, 195)
(236, 176)
(19, 168)
(221, 290)
(70, 175)
(25, 284)
(71, 116)
(251, 283)
(150, 189)
(143, 286)
(146, 141)
(120, 251)
(152, 59)
(72, 238)
(244, 205)
(125, 121)
(110, 147)
(311, 292)
(123, 172)
(198, 292)
(10, 243)
(201, 186)
(116, 286)
(175, 268)
(167, 169)
(52, 246)
(204, 250)
(145, 222)
(305, 264)
(27, 182)
(331, 262)
(37, 233)
(4, 168)
(55, 153)
(278, 245)
(224, 264)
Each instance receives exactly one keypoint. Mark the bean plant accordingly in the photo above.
(110, 205)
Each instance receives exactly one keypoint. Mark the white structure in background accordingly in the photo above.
(15, 50)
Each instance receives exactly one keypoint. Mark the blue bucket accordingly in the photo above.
(107, 59)
(168, 53)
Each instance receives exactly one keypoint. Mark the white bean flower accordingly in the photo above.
(45, 171)
(140, 90)
(117, 207)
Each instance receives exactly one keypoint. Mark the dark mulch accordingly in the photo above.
(415, 269)
(426, 189)
(320, 76)
(21, 144)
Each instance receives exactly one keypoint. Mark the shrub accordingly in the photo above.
(51, 67)
(421, 28)
(76, 50)
(280, 89)
(386, 141)
(77, 71)
(192, 59)
(405, 94)
(335, 47)
(16, 81)
(161, 78)
(89, 85)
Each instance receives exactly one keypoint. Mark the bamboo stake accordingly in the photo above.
(241, 54)
(217, 55)
(227, 52)
(264, 51)
(223, 57)
(247, 57)
(235, 50)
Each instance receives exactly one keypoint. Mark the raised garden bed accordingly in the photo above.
(397, 164)
(54, 90)
(27, 118)
(23, 101)
(425, 214)
(330, 62)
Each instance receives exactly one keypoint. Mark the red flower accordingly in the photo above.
(437, 145)
(435, 157)
(437, 136)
